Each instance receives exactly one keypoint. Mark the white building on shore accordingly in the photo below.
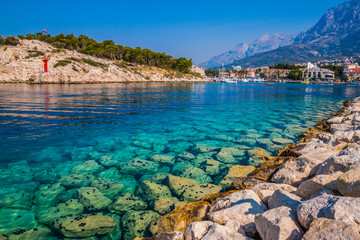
(198, 70)
(312, 71)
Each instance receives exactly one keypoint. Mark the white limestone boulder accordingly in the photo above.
(266, 190)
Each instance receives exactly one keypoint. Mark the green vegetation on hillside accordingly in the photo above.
(108, 50)
(285, 66)
(337, 69)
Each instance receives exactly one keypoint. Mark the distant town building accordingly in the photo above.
(312, 71)
(352, 71)
(198, 70)
(278, 73)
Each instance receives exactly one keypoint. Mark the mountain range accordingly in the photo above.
(336, 34)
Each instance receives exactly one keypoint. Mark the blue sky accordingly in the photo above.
(194, 29)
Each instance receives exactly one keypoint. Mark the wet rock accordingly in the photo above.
(128, 202)
(278, 224)
(340, 161)
(163, 159)
(19, 199)
(139, 166)
(180, 166)
(235, 172)
(198, 191)
(164, 205)
(70, 207)
(197, 174)
(284, 199)
(212, 167)
(243, 183)
(48, 194)
(85, 225)
(201, 148)
(167, 236)
(67, 195)
(77, 180)
(137, 224)
(93, 199)
(326, 229)
(266, 190)
(30, 234)
(201, 159)
(257, 156)
(117, 232)
(13, 220)
(150, 191)
(227, 155)
(317, 184)
(109, 188)
(48, 176)
(345, 209)
(348, 183)
(181, 217)
(240, 207)
(88, 167)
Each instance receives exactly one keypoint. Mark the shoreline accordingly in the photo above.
(317, 169)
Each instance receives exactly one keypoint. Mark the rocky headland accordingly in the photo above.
(23, 63)
(310, 190)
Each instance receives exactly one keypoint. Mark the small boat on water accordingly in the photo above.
(305, 82)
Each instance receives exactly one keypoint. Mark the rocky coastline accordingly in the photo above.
(23, 64)
(310, 190)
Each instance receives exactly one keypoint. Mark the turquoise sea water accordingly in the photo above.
(46, 130)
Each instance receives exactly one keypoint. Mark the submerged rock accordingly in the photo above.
(163, 159)
(139, 166)
(178, 185)
(110, 174)
(48, 195)
(128, 202)
(93, 199)
(150, 191)
(198, 191)
(212, 167)
(165, 205)
(77, 180)
(109, 188)
(197, 174)
(236, 172)
(30, 234)
(13, 220)
(85, 225)
(87, 167)
(71, 207)
(137, 224)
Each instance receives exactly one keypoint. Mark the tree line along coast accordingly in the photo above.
(107, 50)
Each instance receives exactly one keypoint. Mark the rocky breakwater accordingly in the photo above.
(311, 190)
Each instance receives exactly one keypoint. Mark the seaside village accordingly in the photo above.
(348, 71)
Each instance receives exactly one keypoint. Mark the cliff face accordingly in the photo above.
(23, 63)
(263, 44)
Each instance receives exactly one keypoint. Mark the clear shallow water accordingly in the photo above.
(46, 130)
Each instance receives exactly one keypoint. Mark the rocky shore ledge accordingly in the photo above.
(310, 190)
(23, 64)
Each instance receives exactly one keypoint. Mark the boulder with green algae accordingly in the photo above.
(77, 180)
(187, 156)
(181, 217)
(128, 202)
(197, 174)
(150, 191)
(137, 223)
(111, 173)
(257, 156)
(87, 225)
(157, 178)
(180, 166)
(164, 205)
(139, 166)
(12, 220)
(163, 159)
(31, 234)
(211, 167)
(87, 167)
(178, 184)
(203, 157)
(70, 207)
(67, 195)
(236, 172)
(117, 232)
(93, 199)
(109, 188)
(48, 195)
(19, 199)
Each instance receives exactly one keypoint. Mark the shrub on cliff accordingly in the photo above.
(62, 63)
(11, 40)
(2, 40)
